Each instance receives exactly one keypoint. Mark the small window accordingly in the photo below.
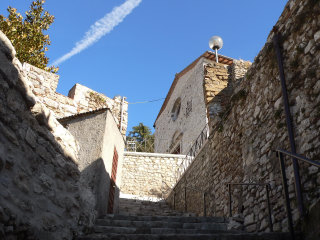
(176, 109)
(188, 108)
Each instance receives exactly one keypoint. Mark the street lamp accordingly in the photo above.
(216, 43)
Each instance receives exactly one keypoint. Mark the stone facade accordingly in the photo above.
(189, 103)
(99, 138)
(252, 126)
(192, 118)
(41, 197)
(149, 175)
(80, 98)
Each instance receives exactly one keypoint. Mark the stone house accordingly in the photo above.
(101, 148)
(80, 98)
(189, 103)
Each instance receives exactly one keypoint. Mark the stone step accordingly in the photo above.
(171, 227)
(142, 213)
(218, 236)
(142, 207)
(148, 230)
(128, 209)
(183, 219)
(135, 201)
(161, 224)
(145, 206)
(141, 203)
(149, 213)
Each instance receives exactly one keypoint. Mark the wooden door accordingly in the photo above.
(113, 179)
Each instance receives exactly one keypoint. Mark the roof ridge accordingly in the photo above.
(83, 114)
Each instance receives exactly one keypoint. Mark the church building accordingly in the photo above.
(196, 95)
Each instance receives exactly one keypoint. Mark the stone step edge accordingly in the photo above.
(227, 234)
(184, 225)
(165, 228)
(170, 220)
(113, 216)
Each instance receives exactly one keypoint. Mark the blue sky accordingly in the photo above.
(139, 57)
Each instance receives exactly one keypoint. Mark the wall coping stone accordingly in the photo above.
(154, 154)
(141, 198)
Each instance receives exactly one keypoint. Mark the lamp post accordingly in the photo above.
(216, 43)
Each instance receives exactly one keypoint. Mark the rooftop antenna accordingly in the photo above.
(216, 43)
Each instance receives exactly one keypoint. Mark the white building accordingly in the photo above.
(184, 113)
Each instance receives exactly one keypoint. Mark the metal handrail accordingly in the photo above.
(280, 154)
(204, 194)
(195, 148)
(299, 157)
(266, 185)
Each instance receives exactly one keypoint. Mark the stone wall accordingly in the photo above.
(41, 197)
(80, 98)
(149, 174)
(216, 78)
(218, 84)
(238, 70)
(241, 145)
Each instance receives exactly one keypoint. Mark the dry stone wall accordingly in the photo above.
(215, 80)
(238, 70)
(240, 148)
(215, 87)
(41, 197)
(149, 174)
(218, 84)
(80, 98)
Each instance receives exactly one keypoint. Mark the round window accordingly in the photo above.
(176, 109)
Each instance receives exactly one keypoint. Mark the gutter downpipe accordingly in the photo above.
(295, 164)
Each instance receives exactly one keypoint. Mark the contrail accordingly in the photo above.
(100, 28)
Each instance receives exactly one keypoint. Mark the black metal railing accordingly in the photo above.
(296, 157)
(203, 192)
(193, 151)
(267, 187)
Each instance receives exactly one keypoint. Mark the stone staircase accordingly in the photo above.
(137, 207)
(145, 220)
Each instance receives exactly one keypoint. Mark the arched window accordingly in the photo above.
(176, 109)
(175, 147)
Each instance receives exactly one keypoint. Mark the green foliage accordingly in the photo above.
(27, 34)
(97, 98)
(220, 128)
(143, 137)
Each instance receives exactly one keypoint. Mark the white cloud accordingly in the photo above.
(100, 28)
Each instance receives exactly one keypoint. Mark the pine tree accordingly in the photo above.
(143, 137)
